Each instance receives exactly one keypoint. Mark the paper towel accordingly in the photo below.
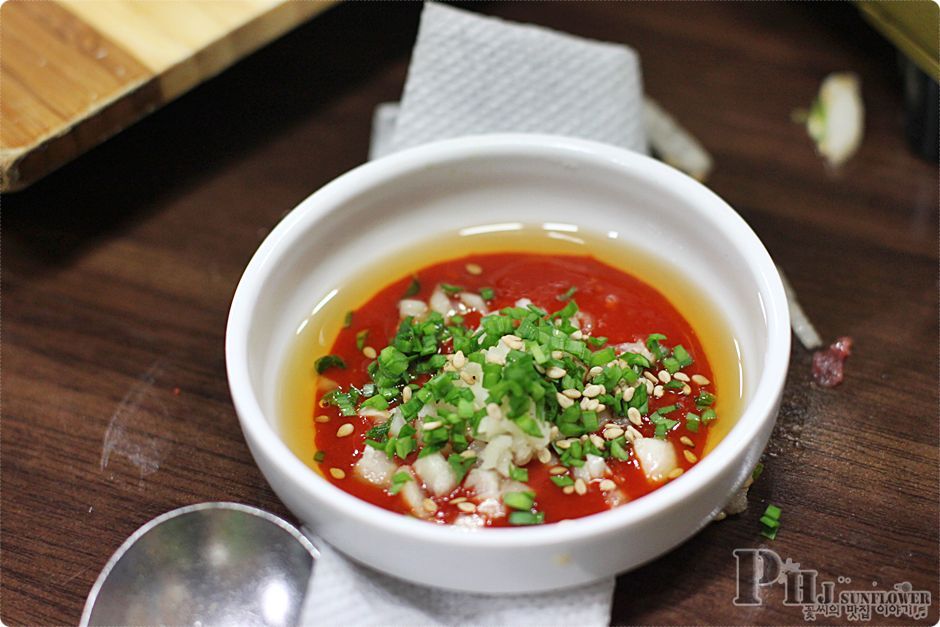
(471, 74)
(348, 594)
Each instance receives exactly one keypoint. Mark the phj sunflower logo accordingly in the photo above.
(759, 569)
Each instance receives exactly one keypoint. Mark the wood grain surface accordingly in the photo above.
(118, 271)
(74, 72)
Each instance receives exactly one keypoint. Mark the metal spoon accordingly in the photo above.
(206, 564)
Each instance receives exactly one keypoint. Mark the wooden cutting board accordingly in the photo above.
(74, 72)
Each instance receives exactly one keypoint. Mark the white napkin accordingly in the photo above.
(474, 75)
(345, 593)
(471, 74)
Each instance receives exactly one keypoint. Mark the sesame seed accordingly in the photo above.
(467, 507)
(687, 441)
(597, 441)
(675, 472)
(563, 401)
(628, 394)
(474, 268)
(649, 387)
(557, 354)
(322, 419)
(633, 415)
(459, 360)
(467, 378)
(633, 434)
(613, 433)
(406, 393)
(664, 376)
(557, 470)
(337, 473)
(469, 454)
(458, 500)
(596, 370)
(720, 516)
(658, 391)
(576, 334)
(493, 411)
(572, 393)
(700, 380)
(580, 487)
(544, 455)
(689, 456)
(589, 404)
(651, 377)
(513, 341)
(344, 430)
(563, 444)
(429, 506)
(607, 485)
(369, 352)
(555, 372)
(568, 489)
(431, 426)
(593, 390)
(686, 389)
(681, 376)
(600, 407)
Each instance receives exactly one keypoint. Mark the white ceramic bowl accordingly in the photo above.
(433, 189)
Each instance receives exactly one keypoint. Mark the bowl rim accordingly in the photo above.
(759, 410)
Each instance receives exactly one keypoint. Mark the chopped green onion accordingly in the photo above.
(708, 415)
(451, 290)
(518, 474)
(526, 518)
(378, 432)
(597, 342)
(487, 293)
(692, 422)
(568, 294)
(652, 343)
(329, 361)
(758, 469)
(519, 500)
(392, 361)
(399, 479)
(460, 465)
(671, 364)
(361, 338)
(682, 356)
(347, 320)
(767, 521)
(319, 456)
(769, 533)
(617, 450)
(414, 287)
(704, 399)
(603, 357)
(376, 402)
(589, 420)
(567, 311)
(773, 511)
(562, 480)
(404, 446)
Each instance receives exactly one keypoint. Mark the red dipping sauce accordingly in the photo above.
(613, 304)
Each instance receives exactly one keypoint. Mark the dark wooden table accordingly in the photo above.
(118, 271)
